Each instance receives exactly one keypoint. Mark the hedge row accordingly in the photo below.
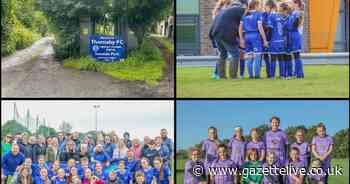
(21, 25)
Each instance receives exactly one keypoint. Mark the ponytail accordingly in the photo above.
(219, 5)
(161, 172)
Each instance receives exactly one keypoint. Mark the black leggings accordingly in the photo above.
(296, 55)
(274, 58)
(279, 57)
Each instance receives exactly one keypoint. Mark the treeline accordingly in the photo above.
(21, 24)
(13, 127)
(340, 149)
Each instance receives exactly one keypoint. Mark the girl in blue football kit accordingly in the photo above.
(294, 39)
(265, 20)
(147, 170)
(277, 49)
(123, 175)
(253, 38)
(162, 172)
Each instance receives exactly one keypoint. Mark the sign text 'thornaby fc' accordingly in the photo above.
(107, 48)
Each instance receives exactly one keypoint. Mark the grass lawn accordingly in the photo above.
(343, 163)
(144, 64)
(320, 81)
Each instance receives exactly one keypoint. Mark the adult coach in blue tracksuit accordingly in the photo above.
(12, 160)
(224, 32)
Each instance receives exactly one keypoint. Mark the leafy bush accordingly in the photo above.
(150, 51)
(168, 44)
(67, 42)
(24, 37)
(40, 24)
(8, 43)
(19, 24)
(25, 12)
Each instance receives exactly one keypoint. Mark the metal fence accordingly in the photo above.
(308, 59)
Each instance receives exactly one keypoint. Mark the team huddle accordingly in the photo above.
(273, 150)
(267, 30)
(69, 159)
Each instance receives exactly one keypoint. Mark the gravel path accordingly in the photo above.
(34, 72)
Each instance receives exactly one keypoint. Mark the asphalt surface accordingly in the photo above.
(34, 72)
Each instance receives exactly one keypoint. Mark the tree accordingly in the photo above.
(91, 133)
(290, 131)
(65, 127)
(142, 14)
(25, 12)
(341, 144)
(8, 21)
(12, 127)
(46, 131)
(64, 16)
(182, 154)
(261, 131)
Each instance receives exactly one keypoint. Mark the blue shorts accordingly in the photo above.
(293, 42)
(266, 50)
(253, 43)
(277, 47)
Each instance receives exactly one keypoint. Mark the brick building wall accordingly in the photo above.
(205, 15)
(306, 32)
(205, 19)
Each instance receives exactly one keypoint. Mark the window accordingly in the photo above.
(187, 35)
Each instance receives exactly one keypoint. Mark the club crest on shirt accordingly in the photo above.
(275, 141)
(322, 146)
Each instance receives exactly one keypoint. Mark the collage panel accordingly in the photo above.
(88, 92)
(262, 49)
(87, 142)
(262, 141)
(87, 49)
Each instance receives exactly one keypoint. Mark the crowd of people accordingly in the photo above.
(70, 158)
(256, 30)
(273, 150)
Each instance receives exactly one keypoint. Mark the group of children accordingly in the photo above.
(104, 163)
(269, 152)
(269, 31)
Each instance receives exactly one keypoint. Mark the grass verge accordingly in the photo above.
(169, 45)
(320, 81)
(144, 64)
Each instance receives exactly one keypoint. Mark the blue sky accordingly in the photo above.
(194, 117)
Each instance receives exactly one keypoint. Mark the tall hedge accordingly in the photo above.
(8, 19)
(21, 24)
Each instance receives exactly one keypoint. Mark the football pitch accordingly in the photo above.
(321, 81)
(343, 163)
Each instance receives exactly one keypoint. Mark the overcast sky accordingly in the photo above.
(140, 118)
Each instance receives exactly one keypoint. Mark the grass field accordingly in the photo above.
(344, 163)
(320, 81)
